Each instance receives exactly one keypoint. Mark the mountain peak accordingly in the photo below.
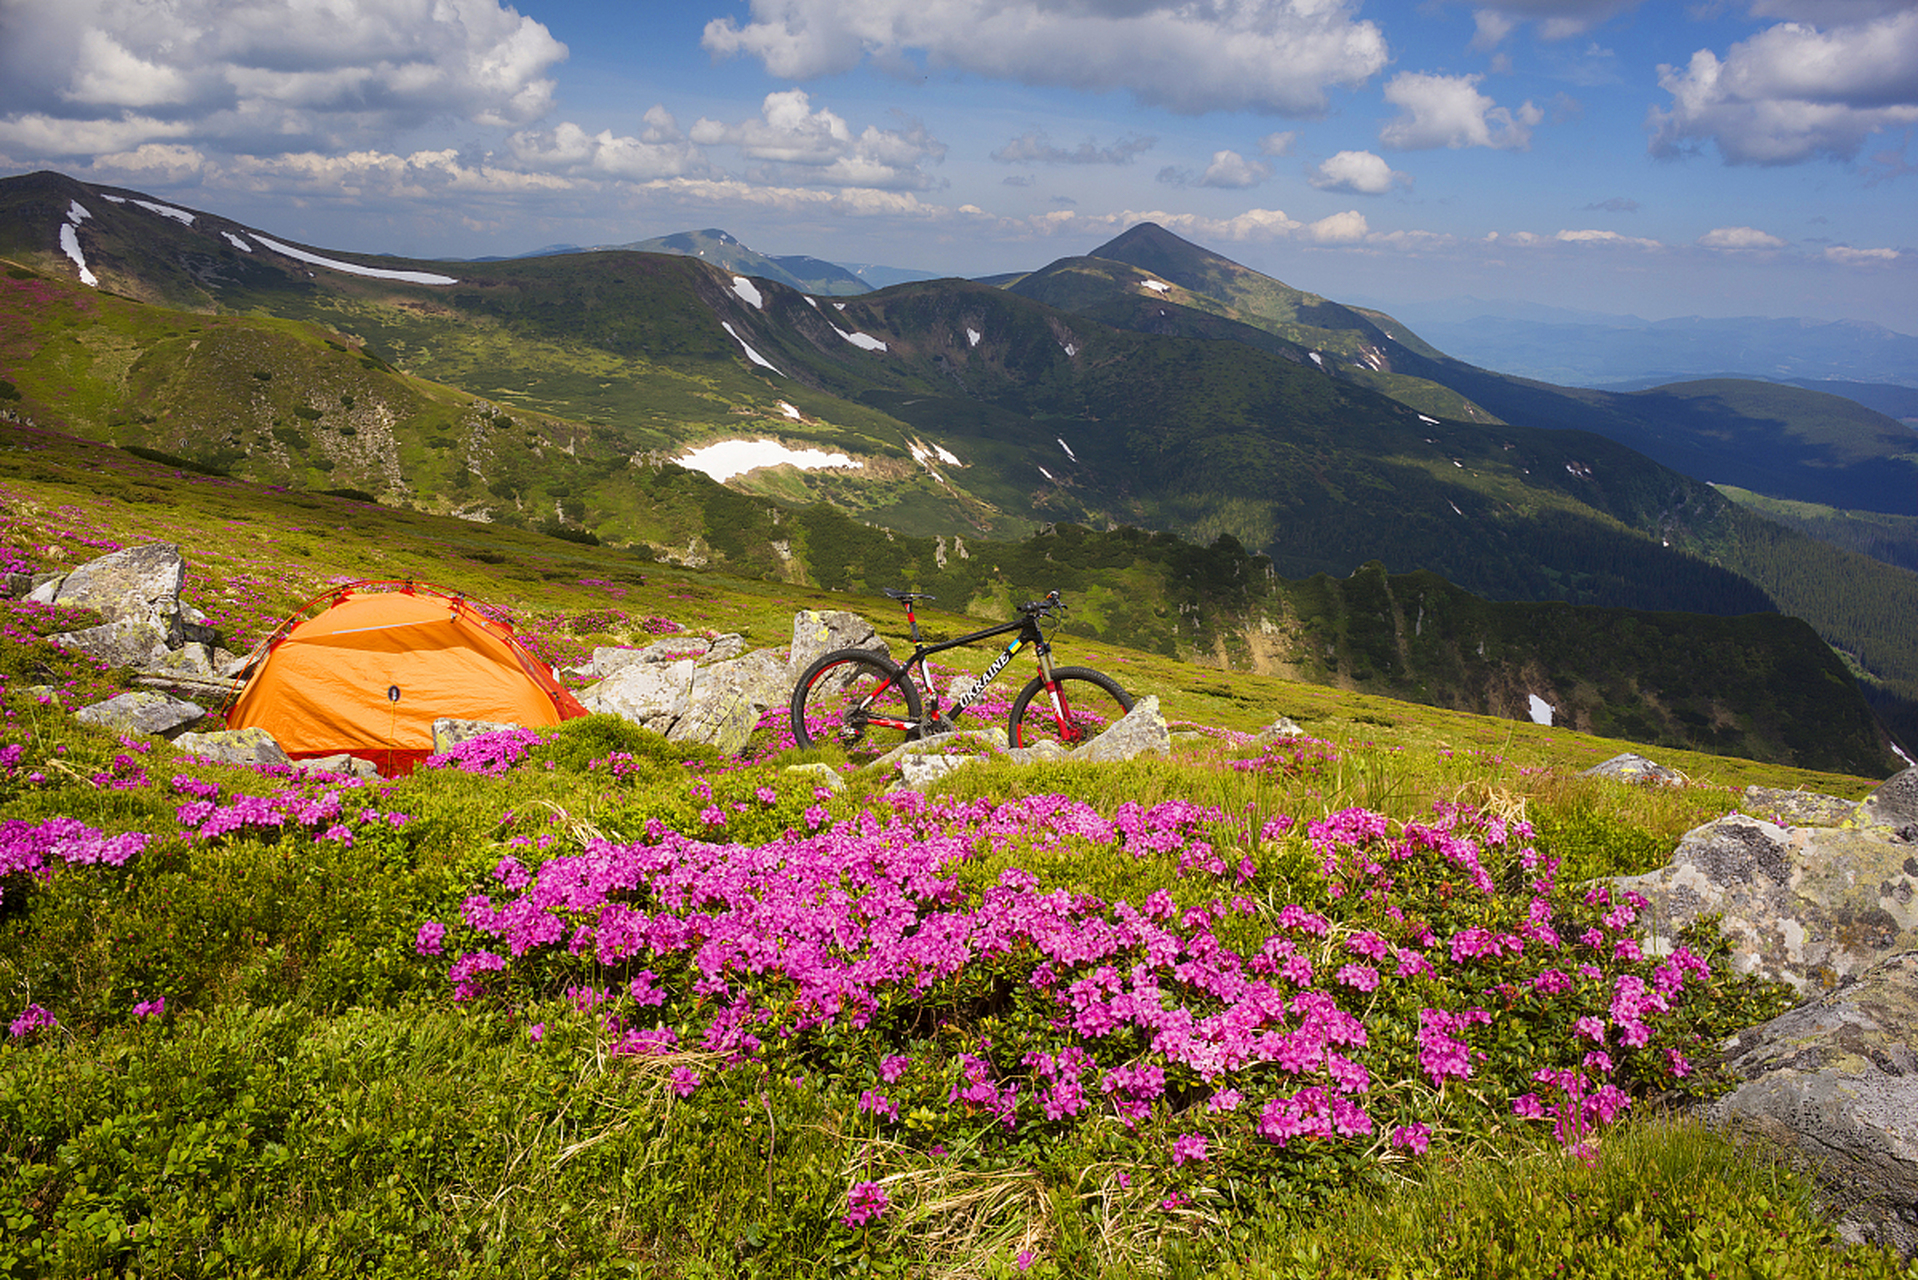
(1150, 247)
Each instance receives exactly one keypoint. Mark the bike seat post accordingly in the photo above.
(912, 623)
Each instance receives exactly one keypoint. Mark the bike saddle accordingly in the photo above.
(906, 595)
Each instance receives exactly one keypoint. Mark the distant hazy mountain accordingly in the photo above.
(1581, 348)
(798, 271)
(881, 277)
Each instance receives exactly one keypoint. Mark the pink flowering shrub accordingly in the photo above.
(1430, 976)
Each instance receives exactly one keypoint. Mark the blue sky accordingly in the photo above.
(1729, 157)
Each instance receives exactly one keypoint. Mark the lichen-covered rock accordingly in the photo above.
(1629, 766)
(1811, 906)
(1796, 808)
(1835, 1083)
(449, 733)
(141, 713)
(652, 695)
(1893, 806)
(233, 746)
(820, 775)
(1140, 730)
(726, 699)
(918, 772)
(130, 642)
(718, 704)
(341, 763)
(818, 633)
(137, 583)
(1280, 729)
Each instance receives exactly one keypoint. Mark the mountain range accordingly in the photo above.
(1149, 383)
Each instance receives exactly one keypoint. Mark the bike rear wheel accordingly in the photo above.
(861, 700)
(1090, 701)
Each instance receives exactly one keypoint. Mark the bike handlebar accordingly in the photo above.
(1051, 603)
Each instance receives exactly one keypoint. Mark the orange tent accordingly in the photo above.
(371, 673)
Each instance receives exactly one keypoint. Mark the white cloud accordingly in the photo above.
(1341, 228)
(1449, 111)
(1859, 257)
(1358, 173)
(817, 146)
(1736, 238)
(1036, 148)
(1261, 55)
(40, 134)
(1278, 144)
(1233, 171)
(279, 72)
(660, 152)
(1794, 92)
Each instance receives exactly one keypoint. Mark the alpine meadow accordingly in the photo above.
(1421, 917)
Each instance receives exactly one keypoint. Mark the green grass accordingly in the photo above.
(313, 1102)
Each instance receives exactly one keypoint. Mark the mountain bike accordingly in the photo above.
(869, 704)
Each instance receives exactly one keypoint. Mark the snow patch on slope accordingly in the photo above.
(728, 458)
(745, 346)
(1541, 711)
(1067, 448)
(865, 342)
(237, 242)
(354, 268)
(166, 211)
(748, 292)
(70, 242)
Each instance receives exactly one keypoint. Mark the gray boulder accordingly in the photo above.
(1835, 1083)
(1796, 808)
(727, 698)
(341, 763)
(1811, 906)
(918, 772)
(449, 733)
(1280, 729)
(815, 634)
(651, 695)
(717, 704)
(1893, 806)
(140, 713)
(130, 642)
(821, 775)
(1628, 766)
(607, 660)
(233, 746)
(137, 583)
(1140, 730)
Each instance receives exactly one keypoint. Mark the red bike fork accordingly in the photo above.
(1061, 713)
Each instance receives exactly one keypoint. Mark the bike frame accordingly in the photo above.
(1029, 634)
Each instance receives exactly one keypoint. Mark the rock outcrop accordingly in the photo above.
(1813, 904)
(1629, 766)
(153, 713)
(818, 633)
(717, 704)
(1834, 1083)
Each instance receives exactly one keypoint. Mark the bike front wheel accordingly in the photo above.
(861, 700)
(1088, 701)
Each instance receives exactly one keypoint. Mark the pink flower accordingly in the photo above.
(429, 940)
(1189, 1148)
(866, 1202)
(1413, 1137)
(685, 1080)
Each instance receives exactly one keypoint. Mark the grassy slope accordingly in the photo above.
(313, 1102)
